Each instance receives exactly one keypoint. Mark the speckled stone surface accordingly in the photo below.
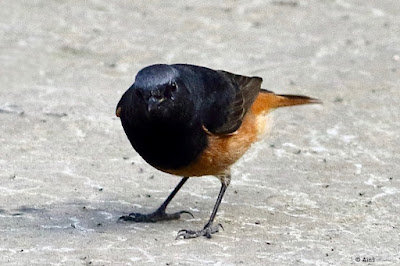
(322, 189)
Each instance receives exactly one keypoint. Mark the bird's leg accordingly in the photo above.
(209, 228)
(159, 214)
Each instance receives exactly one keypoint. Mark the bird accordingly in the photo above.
(192, 121)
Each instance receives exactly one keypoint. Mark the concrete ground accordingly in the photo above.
(322, 189)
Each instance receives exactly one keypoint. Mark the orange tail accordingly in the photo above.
(267, 101)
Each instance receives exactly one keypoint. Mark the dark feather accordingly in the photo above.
(247, 89)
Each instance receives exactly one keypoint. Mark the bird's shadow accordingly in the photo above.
(77, 215)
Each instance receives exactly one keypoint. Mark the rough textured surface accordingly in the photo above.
(322, 189)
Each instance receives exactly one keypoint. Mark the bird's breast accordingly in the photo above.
(223, 151)
(166, 145)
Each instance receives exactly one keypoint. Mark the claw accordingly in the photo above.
(181, 233)
(126, 218)
(207, 231)
(187, 234)
(220, 225)
(187, 212)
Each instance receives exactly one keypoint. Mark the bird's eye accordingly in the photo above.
(172, 87)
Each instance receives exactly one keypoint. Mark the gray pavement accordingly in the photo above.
(322, 189)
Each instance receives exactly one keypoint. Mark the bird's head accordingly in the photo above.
(159, 92)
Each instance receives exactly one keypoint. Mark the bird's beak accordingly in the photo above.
(153, 103)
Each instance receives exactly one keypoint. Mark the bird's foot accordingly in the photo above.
(158, 215)
(207, 231)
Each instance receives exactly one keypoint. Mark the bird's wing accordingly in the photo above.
(245, 92)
